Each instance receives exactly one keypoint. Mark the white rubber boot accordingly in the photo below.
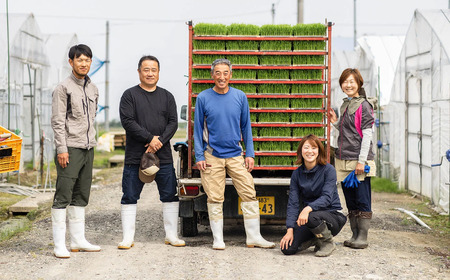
(76, 228)
(170, 214)
(128, 214)
(216, 221)
(59, 233)
(250, 210)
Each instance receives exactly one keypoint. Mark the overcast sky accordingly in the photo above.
(158, 28)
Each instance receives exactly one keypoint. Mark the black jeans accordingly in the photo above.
(359, 198)
(335, 221)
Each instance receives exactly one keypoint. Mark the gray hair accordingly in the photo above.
(220, 61)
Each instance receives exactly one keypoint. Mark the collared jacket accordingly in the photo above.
(74, 106)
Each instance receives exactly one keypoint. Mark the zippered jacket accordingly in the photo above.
(74, 106)
(357, 115)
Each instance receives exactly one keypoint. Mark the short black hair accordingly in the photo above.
(77, 50)
(148, 57)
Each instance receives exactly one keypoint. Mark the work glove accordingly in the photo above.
(351, 181)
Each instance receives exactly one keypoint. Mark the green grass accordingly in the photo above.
(304, 131)
(308, 60)
(306, 117)
(197, 88)
(276, 30)
(313, 29)
(244, 74)
(205, 58)
(243, 59)
(242, 45)
(208, 45)
(101, 159)
(273, 117)
(305, 88)
(247, 88)
(201, 74)
(210, 29)
(384, 185)
(7, 200)
(275, 60)
(274, 103)
(274, 146)
(275, 46)
(274, 88)
(302, 103)
(273, 74)
(309, 45)
(306, 74)
(275, 132)
(243, 29)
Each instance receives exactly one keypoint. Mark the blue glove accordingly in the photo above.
(366, 169)
(351, 181)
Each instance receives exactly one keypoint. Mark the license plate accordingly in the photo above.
(266, 205)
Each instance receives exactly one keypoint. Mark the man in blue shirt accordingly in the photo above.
(222, 118)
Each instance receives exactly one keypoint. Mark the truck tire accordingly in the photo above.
(189, 226)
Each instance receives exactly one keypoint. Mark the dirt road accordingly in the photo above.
(396, 251)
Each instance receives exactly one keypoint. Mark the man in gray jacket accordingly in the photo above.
(74, 107)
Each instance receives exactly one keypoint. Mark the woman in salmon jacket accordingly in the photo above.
(354, 153)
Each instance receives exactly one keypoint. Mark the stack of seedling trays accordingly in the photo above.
(284, 72)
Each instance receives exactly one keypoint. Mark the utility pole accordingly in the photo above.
(273, 13)
(107, 79)
(354, 23)
(300, 11)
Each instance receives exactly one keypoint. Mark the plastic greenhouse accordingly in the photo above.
(419, 108)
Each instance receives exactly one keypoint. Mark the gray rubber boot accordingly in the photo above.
(353, 218)
(363, 228)
(325, 240)
(305, 245)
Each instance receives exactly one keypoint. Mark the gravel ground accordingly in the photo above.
(396, 251)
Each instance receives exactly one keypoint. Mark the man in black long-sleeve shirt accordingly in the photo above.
(149, 116)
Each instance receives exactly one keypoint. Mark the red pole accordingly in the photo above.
(190, 126)
(330, 24)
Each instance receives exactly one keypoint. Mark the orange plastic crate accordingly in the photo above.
(11, 163)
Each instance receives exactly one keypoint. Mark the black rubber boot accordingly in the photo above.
(363, 228)
(325, 240)
(353, 218)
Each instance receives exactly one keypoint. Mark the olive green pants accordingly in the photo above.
(73, 184)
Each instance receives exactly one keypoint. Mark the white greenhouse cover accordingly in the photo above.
(419, 108)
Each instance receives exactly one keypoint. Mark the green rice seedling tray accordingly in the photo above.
(249, 89)
(307, 89)
(313, 29)
(208, 45)
(273, 74)
(274, 132)
(276, 30)
(274, 89)
(306, 117)
(244, 74)
(242, 45)
(210, 29)
(306, 103)
(275, 46)
(197, 88)
(274, 146)
(240, 29)
(274, 103)
(243, 59)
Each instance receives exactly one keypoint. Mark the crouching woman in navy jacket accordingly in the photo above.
(314, 210)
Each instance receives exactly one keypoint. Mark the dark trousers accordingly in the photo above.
(359, 198)
(132, 187)
(334, 220)
(73, 183)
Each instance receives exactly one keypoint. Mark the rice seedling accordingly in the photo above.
(256, 146)
(313, 29)
(273, 117)
(193, 101)
(273, 103)
(204, 58)
(302, 103)
(242, 45)
(275, 60)
(307, 88)
(247, 88)
(306, 74)
(201, 74)
(243, 59)
(308, 60)
(244, 74)
(253, 117)
(309, 45)
(276, 30)
(275, 132)
(252, 103)
(274, 146)
(294, 145)
(243, 29)
(197, 88)
(275, 46)
(306, 117)
(208, 45)
(274, 88)
(273, 74)
(276, 161)
(304, 131)
(210, 29)
(255, 132)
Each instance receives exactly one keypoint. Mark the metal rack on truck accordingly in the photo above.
(287, 80)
